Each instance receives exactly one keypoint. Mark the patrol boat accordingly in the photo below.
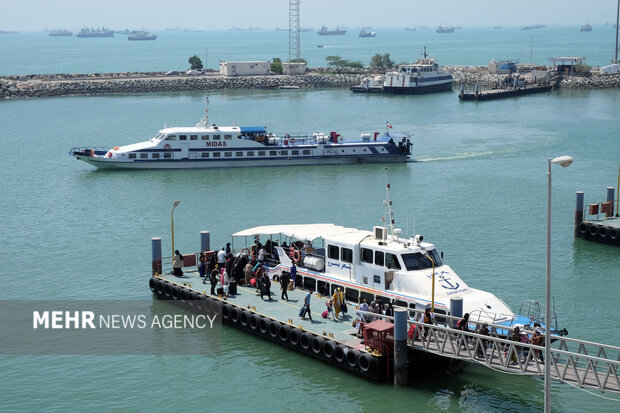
(204, 146)
(422, 76)
(378, 265)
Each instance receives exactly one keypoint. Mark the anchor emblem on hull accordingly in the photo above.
(445, 281)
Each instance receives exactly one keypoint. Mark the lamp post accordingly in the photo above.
(563, 161)
(176, 204)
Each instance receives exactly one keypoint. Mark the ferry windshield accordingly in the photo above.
(417, 261)
(156, 137)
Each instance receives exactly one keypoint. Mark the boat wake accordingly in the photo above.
(458, 156)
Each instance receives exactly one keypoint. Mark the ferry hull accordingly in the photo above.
(418, 90)
(104, 163)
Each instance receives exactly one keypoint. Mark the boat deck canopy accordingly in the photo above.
(300, 232)
(252, 129)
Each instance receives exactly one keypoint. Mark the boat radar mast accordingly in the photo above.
(204, 122)
(388, 204)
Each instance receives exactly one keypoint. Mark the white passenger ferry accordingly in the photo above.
(422, 76)
(377, 265)
(204, 146)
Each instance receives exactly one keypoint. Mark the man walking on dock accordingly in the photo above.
(307, 306)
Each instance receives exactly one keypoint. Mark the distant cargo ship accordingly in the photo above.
(365, 33)
(442, 29)
(325, 32)
(60, 32)
(586, 28)
(103, 32)
(534, 26)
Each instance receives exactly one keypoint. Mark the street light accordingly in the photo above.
(176, 204)
(563, 161)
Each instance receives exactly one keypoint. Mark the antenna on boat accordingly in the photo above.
(204, 122)
(388, 203)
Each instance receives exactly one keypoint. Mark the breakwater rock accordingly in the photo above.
(115, 83)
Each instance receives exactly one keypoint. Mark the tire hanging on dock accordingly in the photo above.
(340, 353)
(305, 340)
(168, 291)
(283, 332)
(317, 344)
(254, 321)
(352, 358)
(160, 288)
(226, 308)
(244, 318)
(367, 363)
(263, 325)
(329, 347)
(293, 336)
(235, 313)
(153, 284)
(274, 327)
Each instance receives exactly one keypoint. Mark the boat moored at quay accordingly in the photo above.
(204, 146)
(381, 265)
(422, 76)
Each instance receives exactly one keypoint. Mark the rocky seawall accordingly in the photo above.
(112, 83)
(26, 86)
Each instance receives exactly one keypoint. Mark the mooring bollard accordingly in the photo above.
(456, 309)
(205, 241)
(400, 347)
(578, 212)
(156, 255)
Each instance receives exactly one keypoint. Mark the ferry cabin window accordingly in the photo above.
(193, 137)
(171, 138)
(346, 255)
(132, 156)
(367, 255)
(283, 152)
(250, 153)
(228, 137)
(295, 152)
(273, 153)
(376, 279)
(379, 258)
(182, 137)
(417, 261)
(306, 152)
(167, 155)
(333, 252)
(227, 154)
(261, 153)
(391, 261)
(205, 154)
(155, 156)
(216, 154)
(216, 137)
(205, 137)
(144, 155)
(238, 154)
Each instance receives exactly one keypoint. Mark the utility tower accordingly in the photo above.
(293, 30)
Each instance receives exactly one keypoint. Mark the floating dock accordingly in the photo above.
(598, 222)
(481, 95)
(390, 345)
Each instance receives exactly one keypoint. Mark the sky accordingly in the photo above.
(34, 15)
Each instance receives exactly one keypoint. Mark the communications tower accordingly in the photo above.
(293, 30)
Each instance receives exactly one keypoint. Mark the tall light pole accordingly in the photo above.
(563, 161)
(176, 204)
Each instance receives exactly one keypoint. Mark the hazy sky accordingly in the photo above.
(223, 14)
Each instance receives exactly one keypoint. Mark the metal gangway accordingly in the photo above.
(576, 362)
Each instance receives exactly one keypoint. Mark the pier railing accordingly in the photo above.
(581, 363)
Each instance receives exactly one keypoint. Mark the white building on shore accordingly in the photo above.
(245, 68)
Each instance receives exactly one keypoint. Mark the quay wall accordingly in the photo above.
(42, 85)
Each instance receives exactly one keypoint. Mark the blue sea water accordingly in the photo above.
(477, 189)
(36, 52)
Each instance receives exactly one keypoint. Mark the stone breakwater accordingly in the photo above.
(26, 86)
(99, 84)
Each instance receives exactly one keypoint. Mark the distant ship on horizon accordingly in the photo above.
(60, 32)
(445, 29)
(325, 32)
(534, 26)
(99, 32)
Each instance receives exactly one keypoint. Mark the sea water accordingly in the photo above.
(476, 188)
